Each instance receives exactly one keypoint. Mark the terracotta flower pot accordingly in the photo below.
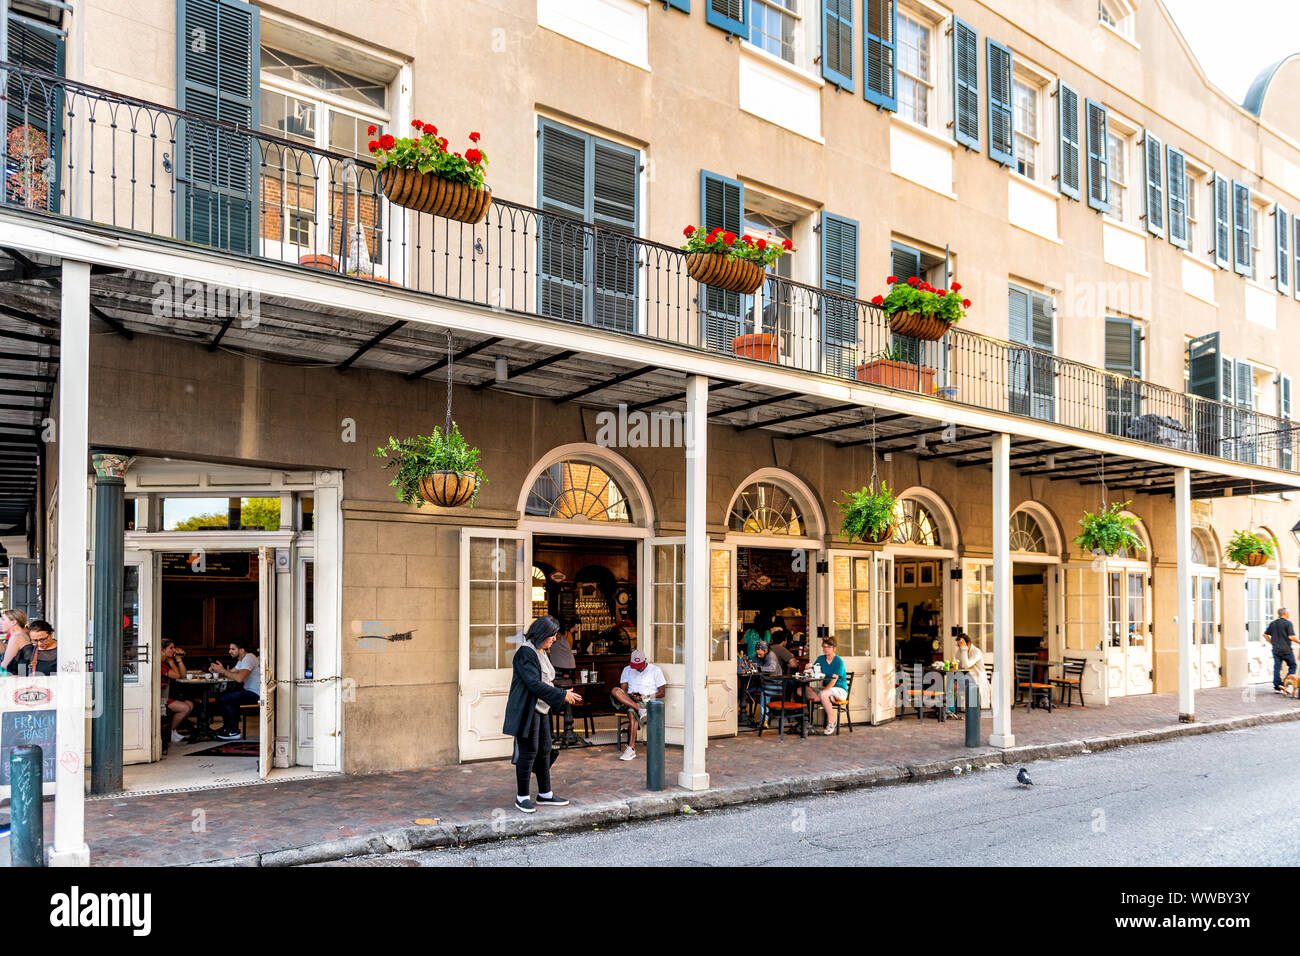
(900, 375)
(448, 489)
(1258, 559)
(722, 272)
(319, 262)
(426, 192)
(763, 346)
(925, 327)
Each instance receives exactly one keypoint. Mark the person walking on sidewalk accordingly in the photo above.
(1282, 634)
(528, 712)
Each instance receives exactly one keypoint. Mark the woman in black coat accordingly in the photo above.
(528, 710)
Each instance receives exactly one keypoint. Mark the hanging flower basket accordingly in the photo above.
(419, 172)
(868, 515)
(1252, 550)
(449, 489)
(919, 310)
(1109, 531)
(1257, 559)
(720, 271)
(928, 328)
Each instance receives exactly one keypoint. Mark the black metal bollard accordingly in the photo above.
(972, 714)
(654, 745)
(26, 814)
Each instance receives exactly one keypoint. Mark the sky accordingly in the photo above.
(1233, 49)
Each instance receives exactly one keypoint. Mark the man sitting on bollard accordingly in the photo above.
(641, 681)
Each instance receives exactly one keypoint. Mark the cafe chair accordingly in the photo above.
(1071, 680)
(910, 691)
(245, 712)
(842, 706)
(1031, 689)
(779, 705)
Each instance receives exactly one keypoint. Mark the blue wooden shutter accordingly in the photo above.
(1122, 356)
(1098, 162)
(682, 5)
(40, 106)
(1019, 333)
(732, 16)
(965, 85)
(1241, 229)
(722, 204)
(218, 49)
(1002, 140)
(614, 170)
(1176, 187)
(879, 48)
(1155, 183)
(837, 42)
(1222, 223)
(839, 274)
(1067, 121)
(562, 247)
(1282, 230)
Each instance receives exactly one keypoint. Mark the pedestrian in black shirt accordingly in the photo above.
(1282, 633)
(41, 656)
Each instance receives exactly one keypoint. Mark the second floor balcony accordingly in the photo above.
(86, 155)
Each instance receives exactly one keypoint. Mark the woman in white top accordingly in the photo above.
(971, 659)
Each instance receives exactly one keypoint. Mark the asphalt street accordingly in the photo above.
(1211, 800)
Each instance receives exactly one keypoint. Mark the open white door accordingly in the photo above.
(882, 628)
(266, 641)
(663, 606)
(1138, 671)
(1085, 627)
(492, 600)
(850, 623)
(722, 680)
(975, 591)
(1261, 608)
(142, 701)
(1205, 635)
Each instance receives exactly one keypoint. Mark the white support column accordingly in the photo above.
(1003, 639)
(1185, 618)
(330, 696)
(70, 615)
(696, 710)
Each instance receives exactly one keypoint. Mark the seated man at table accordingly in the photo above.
(777, 648)
(562, 650)
(248, 672)
(641, 681)
(835, 687)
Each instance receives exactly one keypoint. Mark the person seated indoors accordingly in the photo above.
(173, 668)
(760, 630)
(777, 648)
(641, 681)
(246, 672)
(562, 650)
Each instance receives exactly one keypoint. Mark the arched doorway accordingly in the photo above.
(1263, 585)
(1035, 571)
(924, 550)
(576, 553)
(1129, 662)
(1207, 662)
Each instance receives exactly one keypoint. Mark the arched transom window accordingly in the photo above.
(914, 524)
(577, 489)
(766, 508)
(1202, 551)
(1026, 534)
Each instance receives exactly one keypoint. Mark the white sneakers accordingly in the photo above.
(177, 738)
(642, 712)
(628, 754)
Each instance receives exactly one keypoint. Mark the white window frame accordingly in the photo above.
(926, 20)
(1261, 222)
(1122, 18)
(799, 43)
(1123, 134)
(1027, 74)
(1197, 181)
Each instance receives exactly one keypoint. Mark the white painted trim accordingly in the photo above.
(938, 138)
(935, 504)
(641, 506)
(771, 59)
(319, 288)
(1052, 530)
(584, 529)
(799, 490)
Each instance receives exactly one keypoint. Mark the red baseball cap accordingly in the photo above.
(638, 660)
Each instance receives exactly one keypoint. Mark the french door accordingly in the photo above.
(1128, 630)
(1261, 608)
(142, 701)
(862, 621)
(266, 641)
(976, 603)
(664, 607)
(1085, 628)
(1206, 662)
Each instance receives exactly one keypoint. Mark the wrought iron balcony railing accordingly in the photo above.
(88, 154)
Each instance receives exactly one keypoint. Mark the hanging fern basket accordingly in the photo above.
(1258, 559)
(448, 489)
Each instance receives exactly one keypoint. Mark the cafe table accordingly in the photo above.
(569, 738)
(797, 680)
(203, 688)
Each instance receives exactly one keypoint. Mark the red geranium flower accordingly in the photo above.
(431, 130)
(956, 287)
(787, 245)
(965, 303)
(877, 299)
(762, 243)
(473, 137)
(892, 279)
(912, 281)
(443, 142)
(729, 237)
(473, 156)
(688, 230)
(387, 141)
(374, 145)
(416, 123)
(371, 130)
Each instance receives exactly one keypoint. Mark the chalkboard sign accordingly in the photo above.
(23, 728)
(211, 565)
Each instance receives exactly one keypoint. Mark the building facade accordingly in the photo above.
(260, 319)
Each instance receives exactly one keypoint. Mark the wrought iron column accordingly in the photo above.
(106, 724)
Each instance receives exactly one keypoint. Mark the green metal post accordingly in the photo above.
(654, 745)
(106, 724)
(26, 814)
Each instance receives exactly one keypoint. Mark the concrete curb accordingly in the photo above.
(505, 825)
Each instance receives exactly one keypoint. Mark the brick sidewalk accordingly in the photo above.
(243, 823)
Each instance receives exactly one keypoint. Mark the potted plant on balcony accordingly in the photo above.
(919, 310)
(890, 367)
(868, 515)
(1109, 531)
(441, 468)
(420, 173)
(720, 259)
(1249, 549)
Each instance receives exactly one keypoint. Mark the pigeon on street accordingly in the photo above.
(1022, 778)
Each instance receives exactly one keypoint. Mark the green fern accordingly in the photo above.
(1243, 544)
(424, 454)
(866, 513)
(1108, 531)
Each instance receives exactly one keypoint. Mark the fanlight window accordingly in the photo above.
(1200, 553)
(914, 524)
(765, 508)
(577, 489)
(1026, 534)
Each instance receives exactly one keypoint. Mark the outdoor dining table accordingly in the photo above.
(798, 680)
(203, 688)
(571, 738)
(950, 696)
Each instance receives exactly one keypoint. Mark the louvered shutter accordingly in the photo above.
(1227, 381)
(40, 106)
(562, 249)
(1123, 357)
(614, 212)
(1241, 228)
(839, 274)
(1019, 333)
(905, 263)
(1295, 253)
(1284, 395)
(1067, 121)
(966, 85)
(722, 205)
(837, 42)
(879, 47)
(1244, 377)
(1042, 368)
(1001, 120)
(1244, 374)
(1287, 438)
(1176, 185)
(1155, 178)
(218, 48)
(1282, 229)
(1222, 223)
(682, 5)
(732, 16)
(1098, 130)
(1205, 380)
